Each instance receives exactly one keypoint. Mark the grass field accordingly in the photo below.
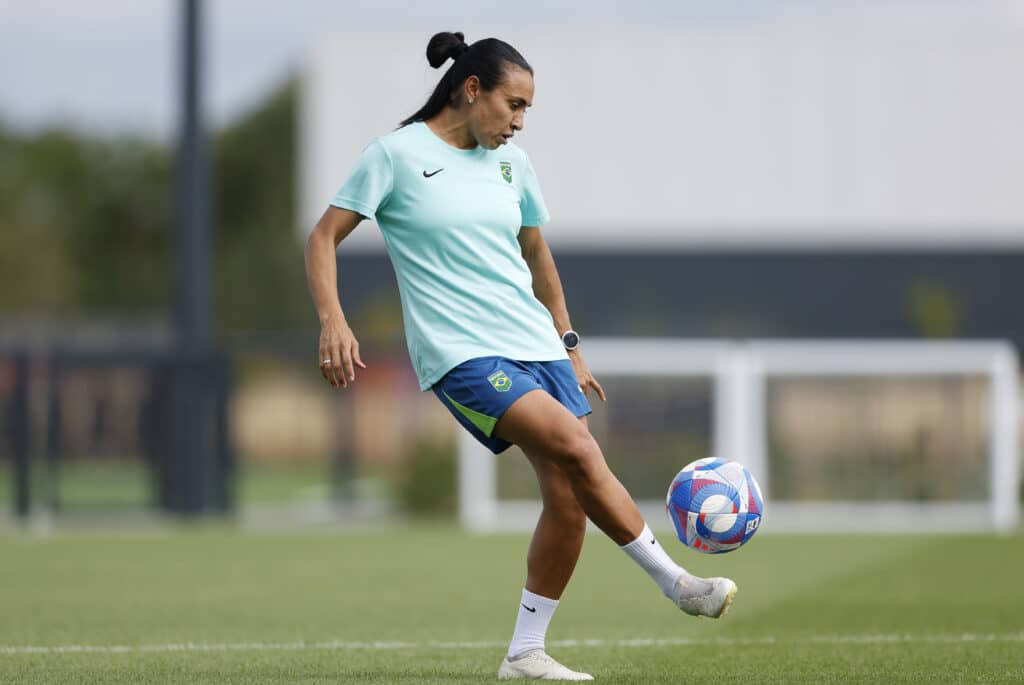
(434, 605)
(119, 485)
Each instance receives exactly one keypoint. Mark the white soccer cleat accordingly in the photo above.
(710, 597)
(537, 665)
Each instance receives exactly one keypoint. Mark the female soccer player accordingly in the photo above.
(486, 323)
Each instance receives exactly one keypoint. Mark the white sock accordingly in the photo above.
(648, 552)
(535, 614)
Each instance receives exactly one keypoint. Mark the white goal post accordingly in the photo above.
(738, 371)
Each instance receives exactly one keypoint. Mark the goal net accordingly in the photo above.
(851, 436)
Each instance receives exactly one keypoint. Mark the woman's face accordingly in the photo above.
(497, 114)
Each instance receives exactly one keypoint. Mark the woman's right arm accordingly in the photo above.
(339, 350)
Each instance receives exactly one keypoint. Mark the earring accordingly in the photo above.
(471, 101)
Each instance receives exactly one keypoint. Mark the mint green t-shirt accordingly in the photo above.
(450, 219)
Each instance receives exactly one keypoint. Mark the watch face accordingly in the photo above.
(570, 339)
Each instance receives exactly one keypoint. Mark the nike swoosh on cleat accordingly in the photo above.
(532, 611)
(426, 175)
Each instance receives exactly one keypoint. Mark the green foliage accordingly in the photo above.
(33, 270)
(428, 484)
(934, 310)
(260, 279)
(117, 226)
(87, 224)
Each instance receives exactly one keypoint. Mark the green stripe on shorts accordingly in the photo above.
(482, 421)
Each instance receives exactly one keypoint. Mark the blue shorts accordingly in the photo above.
(477, 392)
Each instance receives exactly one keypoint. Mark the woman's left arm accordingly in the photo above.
(547, 286)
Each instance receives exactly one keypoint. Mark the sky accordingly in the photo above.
(111, 66)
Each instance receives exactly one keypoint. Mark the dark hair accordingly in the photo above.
(486, 59)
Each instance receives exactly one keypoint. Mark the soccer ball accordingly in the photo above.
(715, 505)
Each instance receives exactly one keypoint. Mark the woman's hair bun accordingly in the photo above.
(444, 45)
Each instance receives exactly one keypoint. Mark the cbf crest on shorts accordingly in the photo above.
(500, 381)
(506, 171)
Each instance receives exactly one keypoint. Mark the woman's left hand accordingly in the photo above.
(586, 379)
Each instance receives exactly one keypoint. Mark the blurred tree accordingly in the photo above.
(33, 267)
(260, 281)
(934, 310)
(85, 224)
(116, 224)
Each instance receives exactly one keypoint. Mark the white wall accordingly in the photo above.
(883, 129)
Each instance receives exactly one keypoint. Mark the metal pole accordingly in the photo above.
(224, 479)
(193, 205)
(193, 256)
(54, 432)
(20, 429)
(1004, 469)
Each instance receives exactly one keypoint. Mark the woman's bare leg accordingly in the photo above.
(558, 537)
(547, 431)
(554, 551)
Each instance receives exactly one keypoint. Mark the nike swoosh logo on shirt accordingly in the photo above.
(426, 175)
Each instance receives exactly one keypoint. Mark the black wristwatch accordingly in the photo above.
(571, 340)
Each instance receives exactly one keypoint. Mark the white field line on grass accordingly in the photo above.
(638, 642)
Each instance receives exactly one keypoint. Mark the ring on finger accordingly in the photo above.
(327, 362)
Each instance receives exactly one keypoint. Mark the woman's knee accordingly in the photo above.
(577, 454)
(557, 492)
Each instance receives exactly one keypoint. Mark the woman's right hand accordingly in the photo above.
(339, 353)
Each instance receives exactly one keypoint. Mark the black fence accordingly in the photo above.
(151, 416)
